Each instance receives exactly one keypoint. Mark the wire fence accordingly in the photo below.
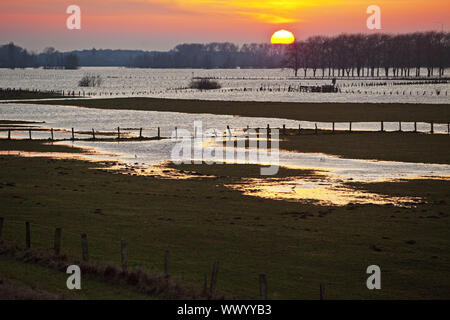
(209, 290)
(127, 133)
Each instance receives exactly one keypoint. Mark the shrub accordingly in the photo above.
(204, 84)
(90, 81)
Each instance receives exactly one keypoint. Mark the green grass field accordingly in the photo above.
(297, 245)
(29, 277)
(391, 146)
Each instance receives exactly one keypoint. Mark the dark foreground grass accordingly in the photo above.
(297, 245)
(392, 146)
(14, 290)
(20, 280)
(115, 281)
(285, 110)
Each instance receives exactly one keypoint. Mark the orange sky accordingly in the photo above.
(158, 24)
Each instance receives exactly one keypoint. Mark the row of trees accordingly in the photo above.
(213, 55)
(12, 56)
(364, 55)
(345, 55)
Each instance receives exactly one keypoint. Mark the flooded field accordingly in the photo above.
(237, 85)
(146, 157)
(332, 203)
(64, 118)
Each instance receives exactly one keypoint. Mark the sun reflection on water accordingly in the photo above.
(318, 192)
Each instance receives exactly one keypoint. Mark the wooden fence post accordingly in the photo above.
(315, 128)
(118, 132)
(29, 132)
(284, 129)
(159, 133)
(432, 127)
(166, 264)
(73, 135)
(400, 126)
(247, 142)
(415, 126)
(299, 128)
(212, 288)
(229, 131)
(1, 227)
(27, 235)
(322, 292)
(262, 287)
(57, 241)
(51, 131)
(124, 256)
(9, 134)
(176, 133)
(382, 126)
(140, 133)
(350, 126)
(333, 127)
(93, 134)
(84, 247)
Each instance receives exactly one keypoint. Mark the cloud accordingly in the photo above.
(267, 11)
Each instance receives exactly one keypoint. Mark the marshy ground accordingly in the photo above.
(298, 245)
(200, 220)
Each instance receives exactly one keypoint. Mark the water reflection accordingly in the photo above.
(149, 157)
(324, 192)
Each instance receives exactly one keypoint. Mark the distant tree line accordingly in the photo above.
(213, 55)
(345, 55)
(12, 56)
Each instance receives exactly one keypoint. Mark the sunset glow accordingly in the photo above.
(282, 37)
(158, 24)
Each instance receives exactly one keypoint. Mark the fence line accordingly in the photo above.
(347, 88)
(137, 133)
(262, 279)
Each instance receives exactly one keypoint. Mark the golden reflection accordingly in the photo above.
(161, 171)
(319, 192)
(321, 189)
(444, 177)
(53, 155)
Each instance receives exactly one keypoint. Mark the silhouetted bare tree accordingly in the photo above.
(364, 55)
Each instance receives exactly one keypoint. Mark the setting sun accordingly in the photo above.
(282, 37)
